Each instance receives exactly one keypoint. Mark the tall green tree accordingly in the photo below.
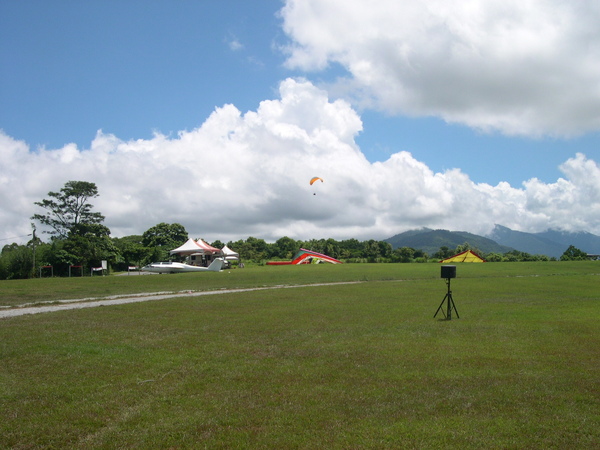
(351, 248)
(285, 247)
(77, 230)
(403, 255)
(90, 244)
(443, 253)
(164, 237)
(573, 254)
(68, 208)
(132, 251)
(371, 250)
(15, 262)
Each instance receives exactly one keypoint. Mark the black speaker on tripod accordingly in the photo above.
(448, 272)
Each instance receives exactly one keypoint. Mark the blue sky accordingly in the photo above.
(131, 67)
(486, 157)
(134, 69)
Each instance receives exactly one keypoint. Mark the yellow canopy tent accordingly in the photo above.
(466, 256)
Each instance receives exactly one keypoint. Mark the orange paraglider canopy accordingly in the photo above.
(313, 179)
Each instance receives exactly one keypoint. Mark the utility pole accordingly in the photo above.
(33, 242)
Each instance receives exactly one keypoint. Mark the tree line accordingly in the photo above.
(79, 239)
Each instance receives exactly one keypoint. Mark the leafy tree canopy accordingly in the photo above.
(90, 244)
(165, 235)
(573, 254)
(68, 208)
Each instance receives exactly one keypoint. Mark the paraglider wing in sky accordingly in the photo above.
(313, 180)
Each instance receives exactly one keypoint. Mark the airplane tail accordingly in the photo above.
(216, 265)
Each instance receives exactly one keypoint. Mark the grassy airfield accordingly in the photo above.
(345, 366)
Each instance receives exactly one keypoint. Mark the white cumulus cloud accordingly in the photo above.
(247, 174)
(521, 67)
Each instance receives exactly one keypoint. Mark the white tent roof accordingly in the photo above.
(192, 246)
(207, 248)
(230, 254)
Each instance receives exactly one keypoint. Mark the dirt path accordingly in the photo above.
(61, 305)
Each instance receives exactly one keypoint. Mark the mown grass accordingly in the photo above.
(19, 292)
(345, 366)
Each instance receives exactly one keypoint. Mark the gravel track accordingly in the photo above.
(62, 305)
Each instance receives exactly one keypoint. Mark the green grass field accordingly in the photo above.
(347, 366)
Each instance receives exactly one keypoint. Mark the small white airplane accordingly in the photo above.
(175, 267)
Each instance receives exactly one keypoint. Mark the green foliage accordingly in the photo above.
(252, 249)
(257, 250)
(162, 238)
(573, 254)
(16, 261)
(90, 243)
(517, 256)
(285, 248)
(371, 250)
(217, 244)
(350, 249)
(165, 235)
(403, 255)
(131, 251)
(78, 234)
(443, 253)
(493, 257)
(69, 208)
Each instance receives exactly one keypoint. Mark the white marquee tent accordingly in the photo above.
(230, 255)
(199, 247)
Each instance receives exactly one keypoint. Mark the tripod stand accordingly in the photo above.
(450, 306)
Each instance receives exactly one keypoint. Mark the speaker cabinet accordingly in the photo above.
(448, 271)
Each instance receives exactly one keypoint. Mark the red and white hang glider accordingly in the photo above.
(306, 257)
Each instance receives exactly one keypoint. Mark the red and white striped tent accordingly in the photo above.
(199, 247)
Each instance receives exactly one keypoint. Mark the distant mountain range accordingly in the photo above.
(430, 241)
(552, 243)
